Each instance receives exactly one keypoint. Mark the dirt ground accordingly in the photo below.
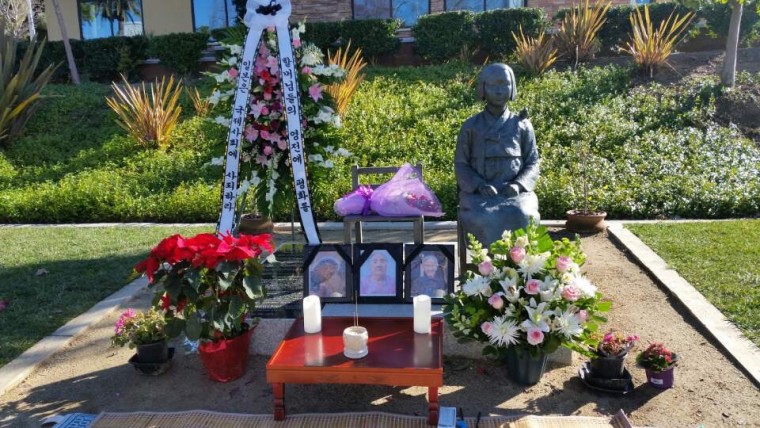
(710, 390)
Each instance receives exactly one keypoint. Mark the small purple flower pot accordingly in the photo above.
(661, 380)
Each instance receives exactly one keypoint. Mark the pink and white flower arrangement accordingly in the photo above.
(264, 155)
(527, 291)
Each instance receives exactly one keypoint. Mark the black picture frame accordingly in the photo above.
(341, 282)
(392, 254)
(417, 280)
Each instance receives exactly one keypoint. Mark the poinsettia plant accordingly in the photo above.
(265, 163)
(527, 291)
(207, 285)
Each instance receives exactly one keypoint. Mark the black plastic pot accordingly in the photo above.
(608, 367)
(524, 368)
(156, 352)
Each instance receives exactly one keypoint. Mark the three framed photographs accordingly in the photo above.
(378, 272)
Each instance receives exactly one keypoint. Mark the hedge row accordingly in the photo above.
(102, 60)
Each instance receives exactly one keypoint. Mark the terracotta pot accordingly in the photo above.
(255, 224)
(524, 368)
(585, 221)
(156, 352)
(226, 360)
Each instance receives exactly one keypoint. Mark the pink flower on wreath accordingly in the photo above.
(485, 267)
(267, 150)
(583, 315)
(535, 336)
(315, 92)
(233, 73)
(517, 254)
(282, 144)
(563, 263)
(296, 43)
(571, 293)
(486, 327)
(251, 133)
(533, 286)
(306, 70)
(496, 301)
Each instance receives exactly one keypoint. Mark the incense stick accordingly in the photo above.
(356, 308)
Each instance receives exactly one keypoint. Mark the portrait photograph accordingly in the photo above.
(328, 272)
(379, 272)
(429, 271)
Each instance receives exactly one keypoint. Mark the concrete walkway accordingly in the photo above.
(744, 353)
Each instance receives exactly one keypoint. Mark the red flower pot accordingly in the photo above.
(661, 380)
(226, 360)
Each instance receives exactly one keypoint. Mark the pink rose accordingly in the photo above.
(535, 336)
(264, 109)
(563, 263)
(296, 43)
(306, 70)
(486, 327)
(485, 267)
(496, 301)
(233, 72)
(282, 144)
(583, 315)
(517, 254)
(533, 286)
(571, 293)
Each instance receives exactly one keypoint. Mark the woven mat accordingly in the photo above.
(206, 419)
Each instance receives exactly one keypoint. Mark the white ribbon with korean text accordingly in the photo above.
(260, 15)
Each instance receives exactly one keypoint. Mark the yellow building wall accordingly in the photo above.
(167, 16)
(159, 17)
(70, 20)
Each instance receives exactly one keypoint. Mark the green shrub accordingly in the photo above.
(617, 28)
(326, 35)
(179, 51)
(374, 37)
(55, 54)
(494, 29)
(718, 17)
(104, 59)
(444, 36)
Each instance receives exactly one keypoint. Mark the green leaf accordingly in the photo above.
(174, 327)
(193, 326)
(254, 288)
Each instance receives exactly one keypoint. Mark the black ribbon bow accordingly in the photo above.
(272, 9)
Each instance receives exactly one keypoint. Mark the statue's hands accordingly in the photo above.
(512, 190)
(487, 190)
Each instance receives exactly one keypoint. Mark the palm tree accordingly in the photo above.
(111, 10)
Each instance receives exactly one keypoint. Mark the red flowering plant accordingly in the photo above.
(656, 358)
(615, 343)
(207, 285)
(264, 153)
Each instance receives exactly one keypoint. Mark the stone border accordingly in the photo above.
(743, 351)
(22, 366)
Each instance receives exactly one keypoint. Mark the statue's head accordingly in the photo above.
(496, 73)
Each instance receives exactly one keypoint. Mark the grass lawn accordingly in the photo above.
(84, 266)
(720, 259)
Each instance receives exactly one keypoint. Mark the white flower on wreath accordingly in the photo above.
(588, 289)
(533, 264)
(503, 331)
(568, 324)
(538, 317)
(478, 285)
(522, 241)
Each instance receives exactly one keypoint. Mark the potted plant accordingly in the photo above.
(145, 331)
(586, 220)
(526, 297)
(608, 361)
(658, 362)
(207, 287)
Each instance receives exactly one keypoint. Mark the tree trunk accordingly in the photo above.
(30, 20)
(728, 75)
(66, 44)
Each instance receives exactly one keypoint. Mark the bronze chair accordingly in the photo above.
(356, 221)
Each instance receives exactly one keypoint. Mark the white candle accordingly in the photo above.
(312, 314)
(422, 314)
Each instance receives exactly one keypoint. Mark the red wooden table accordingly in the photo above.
(397, 356)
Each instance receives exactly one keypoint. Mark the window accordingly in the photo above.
(482, 5)
(212, 14)
(406, 10)
(108, 18)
